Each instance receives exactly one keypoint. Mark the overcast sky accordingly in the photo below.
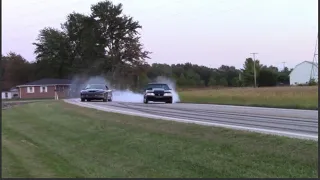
(205, 32)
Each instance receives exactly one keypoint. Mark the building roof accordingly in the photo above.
(48, 82)
(312, 63)
(13, 89)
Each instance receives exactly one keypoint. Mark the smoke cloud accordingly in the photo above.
(79, 82)
(172, 85)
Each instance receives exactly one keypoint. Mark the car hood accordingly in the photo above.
(158, 89)
(93, 90)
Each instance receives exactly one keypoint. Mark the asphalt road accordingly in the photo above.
(292, 123)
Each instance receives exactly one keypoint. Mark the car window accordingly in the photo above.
(162, 86)
(95, 86)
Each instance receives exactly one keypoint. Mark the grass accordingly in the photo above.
(27, 99)
(56, 139)
(301, 97)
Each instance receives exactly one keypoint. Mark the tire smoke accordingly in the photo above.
(78, 83)
(172, 85)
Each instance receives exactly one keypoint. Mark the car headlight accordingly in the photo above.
(167, 94)
(150, 94)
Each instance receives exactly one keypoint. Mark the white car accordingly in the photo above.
(157, 92)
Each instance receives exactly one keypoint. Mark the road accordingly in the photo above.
(285, 122)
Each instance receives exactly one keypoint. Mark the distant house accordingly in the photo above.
(45, 88)
(302, 73)
(10, 94)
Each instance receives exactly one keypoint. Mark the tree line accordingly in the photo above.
(107, 43)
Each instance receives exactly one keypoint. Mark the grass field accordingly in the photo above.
(301, 97)
(55, 139)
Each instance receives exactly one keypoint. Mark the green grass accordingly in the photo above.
(27, 99)
(301, 97)
(55, 139)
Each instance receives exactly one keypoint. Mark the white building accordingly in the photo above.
(12, 93)
(302, 73)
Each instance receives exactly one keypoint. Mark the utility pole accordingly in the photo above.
(254, 69)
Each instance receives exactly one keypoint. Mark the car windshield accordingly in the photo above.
(96, 86)
(162, 86)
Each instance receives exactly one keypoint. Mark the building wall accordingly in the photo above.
(63, 91)
(44, 92)
(6, 95)
(302, 72)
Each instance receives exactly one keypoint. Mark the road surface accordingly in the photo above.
(286, 122)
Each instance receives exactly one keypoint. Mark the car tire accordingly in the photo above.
(145, 100)
(110, 100)
(88, 100)
(169, 102)
(82, 99)
(105, 99)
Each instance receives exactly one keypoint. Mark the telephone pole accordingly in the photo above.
(254, 69)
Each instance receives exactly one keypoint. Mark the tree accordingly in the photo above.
(248, 71)
(87, 53)
(119, 35)
(212, 82)
(235, 82)
(267, 77)
(284, 76)
(52, 53)
(105, 41)
(223, 82)
(16, 70)
(182, 80)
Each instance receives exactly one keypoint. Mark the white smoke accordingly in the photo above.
(127, 96)
(121, 95)
(172, 85)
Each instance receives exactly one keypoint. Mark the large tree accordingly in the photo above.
(52, 53)
(104, 41)
(15, 70)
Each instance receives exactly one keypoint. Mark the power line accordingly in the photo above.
(312, 73)
(254, 69)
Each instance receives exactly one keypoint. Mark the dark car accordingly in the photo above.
(157, 92)
(96, 92)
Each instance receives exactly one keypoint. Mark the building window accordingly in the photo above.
(30, 89)
(43, 89)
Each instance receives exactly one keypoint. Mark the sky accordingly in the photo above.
(204, 32)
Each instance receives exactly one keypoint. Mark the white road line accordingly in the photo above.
(266, 131)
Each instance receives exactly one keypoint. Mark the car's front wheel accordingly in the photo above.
(145, 100)
(169, 102)
(105, 99)
(82, 99)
